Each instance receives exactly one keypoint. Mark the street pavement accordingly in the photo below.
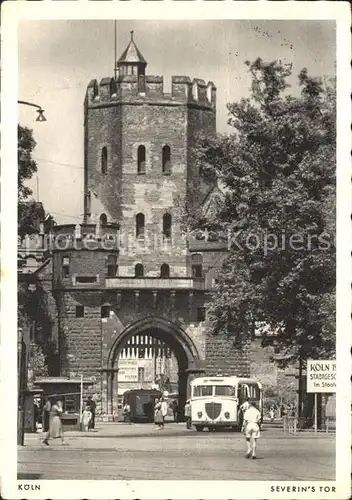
(139, 451)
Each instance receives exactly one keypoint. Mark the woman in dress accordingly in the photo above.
(55, 426)
(158, 416)
(86, 419)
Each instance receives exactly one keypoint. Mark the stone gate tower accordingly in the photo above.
(139, 171)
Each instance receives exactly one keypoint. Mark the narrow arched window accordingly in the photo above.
(104, 160)
(138, 271)
(197, 265)
(139, 225)
(166, 159)
(103, 220)
(165, 271)
(167, 225)
(141, 160)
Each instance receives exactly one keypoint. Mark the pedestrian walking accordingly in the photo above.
(126, 412)
(55, 425)
(46, 414)
(251, 428)
(272, 414)
(92, 404)
(188, 414)
(174, 407)
(86, 419)
(158, 416)
(36, 416)
(163, 410)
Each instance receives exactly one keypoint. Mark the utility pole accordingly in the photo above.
(300, 387)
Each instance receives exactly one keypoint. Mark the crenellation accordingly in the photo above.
(107, 88)
(154, 86)
(128, 88)
(180, 86)
(92, 90)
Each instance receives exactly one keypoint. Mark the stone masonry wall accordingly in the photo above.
(153, 193)
(225, 359)
(103, 129)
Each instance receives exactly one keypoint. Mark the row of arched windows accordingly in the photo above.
(165, 159)
(141, 156)
(140, 225)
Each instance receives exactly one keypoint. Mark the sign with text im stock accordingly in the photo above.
(321, 375)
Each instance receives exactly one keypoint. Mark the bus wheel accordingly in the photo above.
(199, 428)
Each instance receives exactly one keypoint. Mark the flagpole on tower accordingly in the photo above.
(115, 50)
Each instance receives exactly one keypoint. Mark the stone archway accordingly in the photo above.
(173, 335)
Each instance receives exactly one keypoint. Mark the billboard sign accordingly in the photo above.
(321, 375)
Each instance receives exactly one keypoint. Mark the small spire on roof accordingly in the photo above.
(131, 35)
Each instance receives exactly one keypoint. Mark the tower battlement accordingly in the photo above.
(150, 88)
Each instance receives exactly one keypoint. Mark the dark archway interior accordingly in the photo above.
(179, 348)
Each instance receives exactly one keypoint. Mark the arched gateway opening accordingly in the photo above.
(150, 352)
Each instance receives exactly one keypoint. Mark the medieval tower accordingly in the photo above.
(128, 276)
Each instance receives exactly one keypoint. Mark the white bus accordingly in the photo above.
(216, 401)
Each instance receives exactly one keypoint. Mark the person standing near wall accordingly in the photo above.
(92, 404)
(163, 410)
(46, 415)
(188, 414)
(158, 417)
(86, 419)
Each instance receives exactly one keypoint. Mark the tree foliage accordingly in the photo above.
(27, 167)
(40, 368)
(278, 173)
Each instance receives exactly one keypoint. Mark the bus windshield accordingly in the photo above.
(225, 390)
(202, 390)
(213, 390)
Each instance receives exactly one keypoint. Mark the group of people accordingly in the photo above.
(52, 418)
(288, 410)
(160, 412)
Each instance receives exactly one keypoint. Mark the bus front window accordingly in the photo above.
(225, 390)
(202, 390)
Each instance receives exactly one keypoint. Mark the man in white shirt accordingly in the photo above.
(163, 410)
(251, 428)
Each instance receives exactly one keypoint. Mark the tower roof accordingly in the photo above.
(131, 54)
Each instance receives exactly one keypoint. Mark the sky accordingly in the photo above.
(57, 60)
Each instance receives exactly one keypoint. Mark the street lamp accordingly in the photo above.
(40, 110)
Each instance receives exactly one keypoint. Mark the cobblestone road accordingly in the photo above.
(138, 451)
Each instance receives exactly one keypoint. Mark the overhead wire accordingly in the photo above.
(70, 165)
